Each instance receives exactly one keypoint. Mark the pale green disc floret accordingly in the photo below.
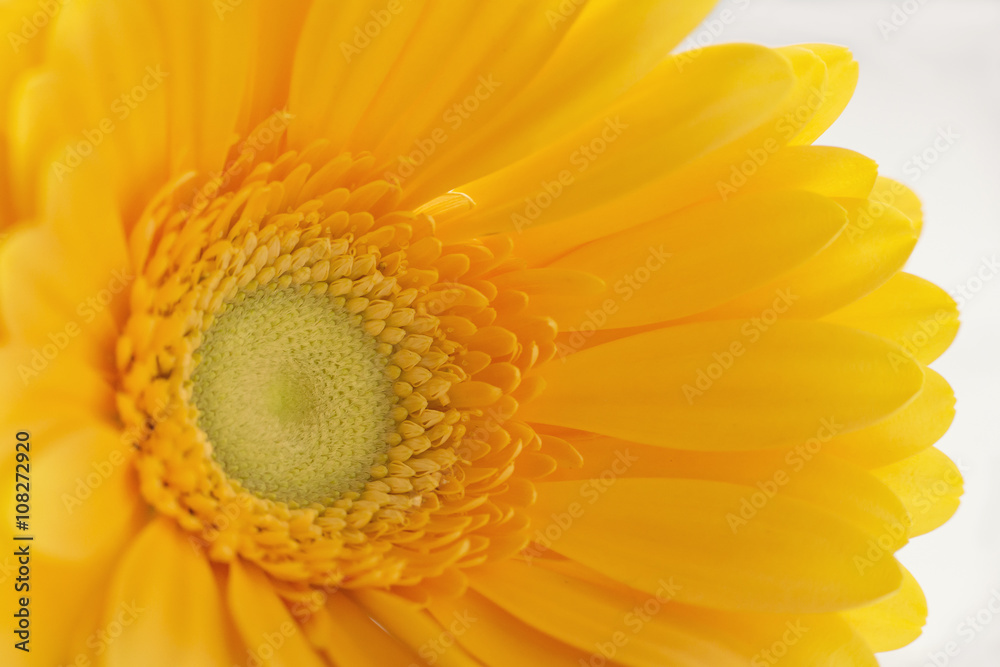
(292, 395)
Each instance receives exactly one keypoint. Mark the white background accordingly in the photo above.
(928, 66)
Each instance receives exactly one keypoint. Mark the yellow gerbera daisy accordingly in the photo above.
(397, 332)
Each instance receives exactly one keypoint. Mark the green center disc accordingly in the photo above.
(292, 395)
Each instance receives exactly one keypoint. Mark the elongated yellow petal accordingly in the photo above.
(587, 616)
(894, 622)
(658, 272)
(588, 167)
(874, 246)
(609, 620)
(79, 309)
(264, 622)
(580, 80)
(841, 80)
(792, 557)
(893, 193)
(804, 472)
(32, 382)
(107, 66)
(86, 502)
(207, 85)
(71, 556)
(497, 637)
(276, 30)
(911, 430)
(165, 628)
(347, 635)
(929, 484)
(828, 171)
(728, 385)
(414, 627)
(915, 314)
(26, 48)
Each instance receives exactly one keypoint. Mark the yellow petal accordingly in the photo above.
(30, 382)
(277, 28)
(911, 430)
(831, 172)
(915, 314)
(165, 591)
(69, 576)
(872, 248)
(722, 158)
(929, 484)
(26, 41)
(727, 385)
(662, 270)
(348, 636)
(841, 80)
(903, 199)
(265, 624)
(804, 472)
(87, 502)
(792, 557)
(894, 622)
(657, 129)
(207, 74)
(413, 626)
(78, 309)
(606, 48)
(338, 68)
(607, 619)
(497, 637)
(105, 63)
(587, 616)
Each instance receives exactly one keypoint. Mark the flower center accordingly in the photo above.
(293, 396)
(319, 385)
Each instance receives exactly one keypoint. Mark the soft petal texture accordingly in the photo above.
(583, 76)
(874, 246)
(333, 80)
(716, 169)
(804, 472)
(587, 610)
(206, 84)
(911, 430)
(703, 256)
(275, 35)
(35, 381)
(104, 63)
(264, 623)
(495, 636)
(179, 614)
(915, 314)
(70, 571)
(841, 80)
(894, 622)
(413, 626)
(705, 118)
(828, 171)
(80, 308)
(585, 615)
(760, 401)
(26, 42)
(348, 636)
(895, 194)
(792, 557)
(84, 504)
(929, 484)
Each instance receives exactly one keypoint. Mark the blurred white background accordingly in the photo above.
(930, 66)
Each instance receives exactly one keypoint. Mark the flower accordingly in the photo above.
(389, 333)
